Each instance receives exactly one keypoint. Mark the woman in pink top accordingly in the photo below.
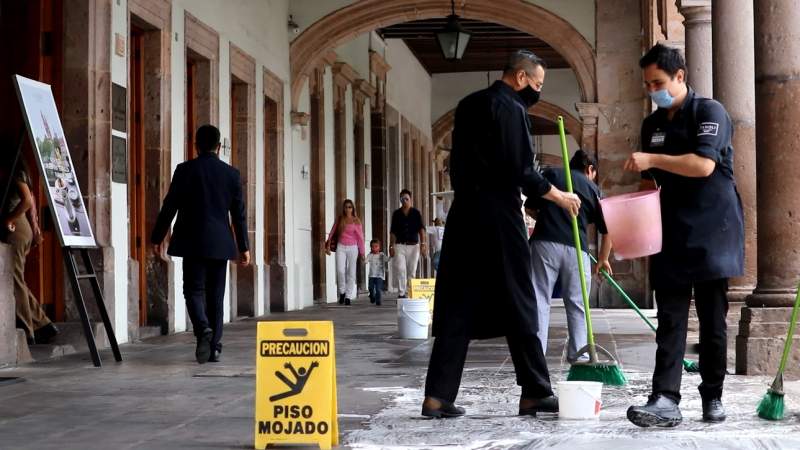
(347, 240)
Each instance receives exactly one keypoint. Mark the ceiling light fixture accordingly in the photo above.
(453, 38)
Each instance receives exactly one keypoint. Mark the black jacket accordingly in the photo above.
(554, 224)
(206, 194)
(701, 217)
(483, 285)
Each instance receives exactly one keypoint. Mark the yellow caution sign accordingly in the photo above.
(423, 288)
(296, 384)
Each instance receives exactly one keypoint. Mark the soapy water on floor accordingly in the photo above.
(491, 398)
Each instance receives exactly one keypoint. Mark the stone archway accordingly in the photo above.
(546, 110)
(363, 16)
(442, 127)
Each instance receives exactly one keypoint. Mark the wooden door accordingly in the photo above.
(136, 166)
(36, 29)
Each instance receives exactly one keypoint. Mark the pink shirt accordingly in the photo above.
(353, 234)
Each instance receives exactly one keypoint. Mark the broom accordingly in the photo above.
(771, 406)
(607, 372)
(688, 365)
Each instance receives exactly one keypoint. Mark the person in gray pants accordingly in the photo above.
(553, 258)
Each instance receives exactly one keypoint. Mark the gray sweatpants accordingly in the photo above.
(552, 261)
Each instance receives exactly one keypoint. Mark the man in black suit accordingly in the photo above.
(206, 194)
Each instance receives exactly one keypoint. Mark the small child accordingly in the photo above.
(376, 266)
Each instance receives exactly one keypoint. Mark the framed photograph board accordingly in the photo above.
(55, 163)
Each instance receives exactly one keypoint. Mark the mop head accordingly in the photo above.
(771, 406)
(691, 366)
(606, 373)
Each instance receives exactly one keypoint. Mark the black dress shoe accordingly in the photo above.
(533, 406)
(347, 302)
(215, 355)
(203, 350)
(44, 334)
(341, 299)
(660, 411)
(713, 411)
(440, 409)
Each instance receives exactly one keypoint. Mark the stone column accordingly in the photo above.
(8, 331)
(588, 113)
(343, 75)
(734, 87)
(379, 176)
(697, 22)
(319, 232)
(362, 93)
(777, 82)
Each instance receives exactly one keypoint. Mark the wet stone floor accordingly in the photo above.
(160, 398)
(490, 397)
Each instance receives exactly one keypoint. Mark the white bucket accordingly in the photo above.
(579, 399)
(413, 318)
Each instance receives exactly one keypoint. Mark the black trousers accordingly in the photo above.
(711, 303)
(204, 291)
(450, 353)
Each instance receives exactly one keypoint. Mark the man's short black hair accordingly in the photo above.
(405, 191)
(668, 59)
(581, 161)
(523, 60)
(207, 138)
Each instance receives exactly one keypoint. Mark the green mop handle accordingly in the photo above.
(787, 346)
(577, 237)
(624, 295)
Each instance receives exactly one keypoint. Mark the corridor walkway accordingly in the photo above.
(159, 398)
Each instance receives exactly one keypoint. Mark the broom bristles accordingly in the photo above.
(771, 406)
(608, 374)
(691, 366)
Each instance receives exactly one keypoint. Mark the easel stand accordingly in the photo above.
(75, 277)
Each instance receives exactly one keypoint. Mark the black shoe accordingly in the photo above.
(713, 411)
(203, 350)
(440, 409)
(44, 334)
(377, 303)
(533, 406)
(371, 299)
(660, 411)
(347, 302)
(215, 355)
(402, 296)
(341, 299)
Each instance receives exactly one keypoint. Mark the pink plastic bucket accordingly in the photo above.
(634, 223)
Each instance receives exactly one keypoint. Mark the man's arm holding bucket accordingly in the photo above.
(689, 165)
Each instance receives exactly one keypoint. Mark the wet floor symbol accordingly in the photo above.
(300, 379)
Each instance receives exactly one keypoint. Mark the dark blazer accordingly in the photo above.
(206, 194)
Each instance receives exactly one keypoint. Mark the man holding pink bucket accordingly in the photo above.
(687, 152)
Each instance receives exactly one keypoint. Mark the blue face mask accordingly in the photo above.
(662, 98)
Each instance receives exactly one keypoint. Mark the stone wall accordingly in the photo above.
(8, 332)
(622, 107)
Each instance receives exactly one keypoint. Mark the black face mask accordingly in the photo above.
(529, 95)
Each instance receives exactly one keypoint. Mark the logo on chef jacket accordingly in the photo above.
(708, 129)
(657, 139)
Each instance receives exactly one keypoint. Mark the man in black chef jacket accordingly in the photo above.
(686, 150)
(483, 287)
